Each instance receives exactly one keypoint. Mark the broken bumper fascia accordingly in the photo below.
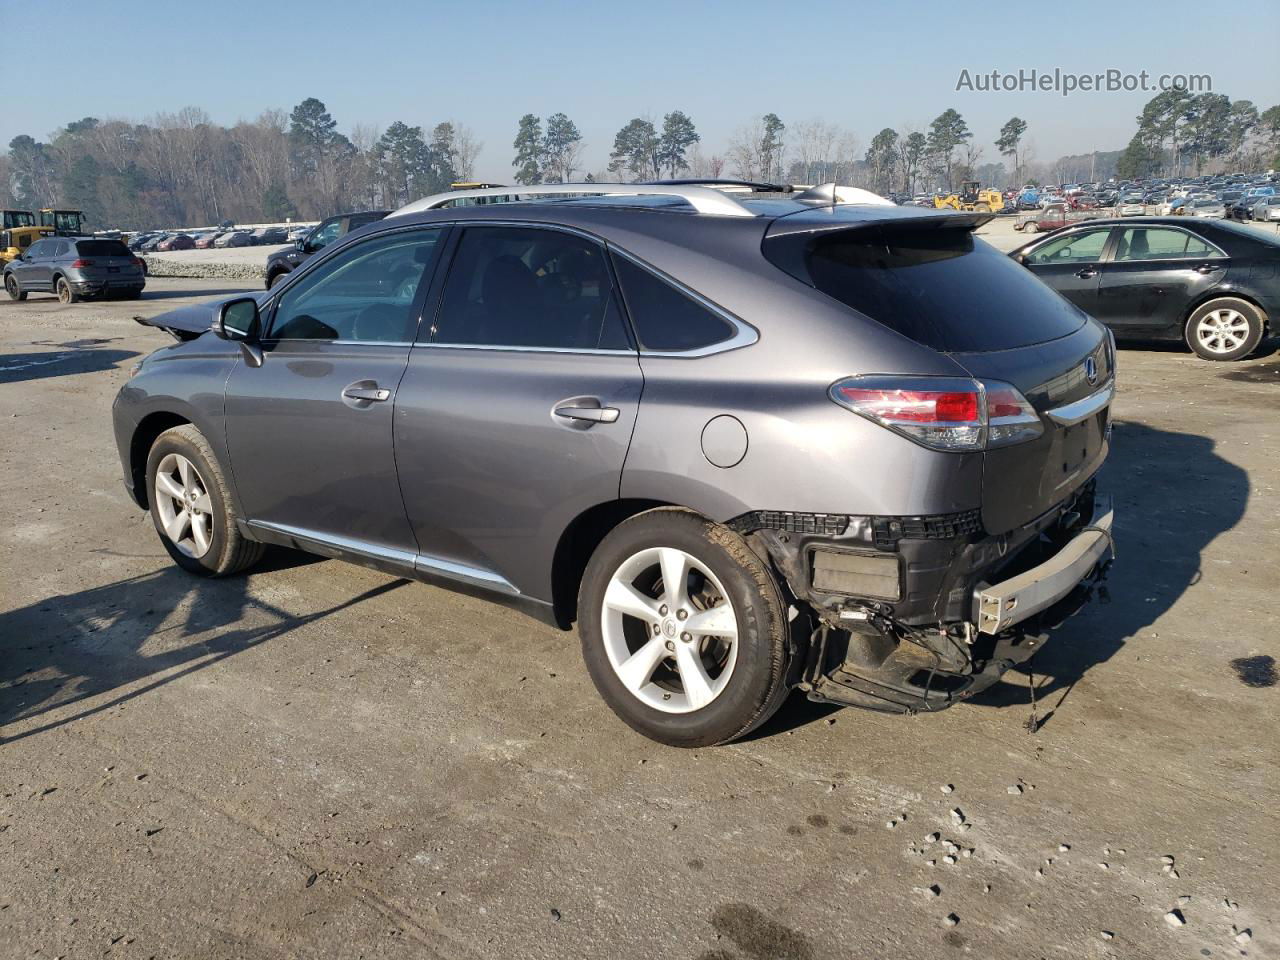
(999, 606)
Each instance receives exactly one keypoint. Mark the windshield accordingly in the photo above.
(18, 218)
(940, 287)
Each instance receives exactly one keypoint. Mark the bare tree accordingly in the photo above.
(466, 149)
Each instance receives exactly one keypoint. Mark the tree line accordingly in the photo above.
(182, 168)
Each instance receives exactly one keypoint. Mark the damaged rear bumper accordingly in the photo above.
(994, 611)
(1010, 602)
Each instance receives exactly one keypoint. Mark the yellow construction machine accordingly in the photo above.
(972, 198)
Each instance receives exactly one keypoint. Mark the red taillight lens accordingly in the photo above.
(944, 413)
(82, 263)
(137, 262)
(914, 406)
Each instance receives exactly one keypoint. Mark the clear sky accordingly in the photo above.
(863, 65)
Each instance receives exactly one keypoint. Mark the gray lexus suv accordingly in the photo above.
(749, 445)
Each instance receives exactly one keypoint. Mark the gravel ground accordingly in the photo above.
(319, 760)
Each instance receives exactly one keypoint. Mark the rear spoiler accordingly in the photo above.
(858, 217)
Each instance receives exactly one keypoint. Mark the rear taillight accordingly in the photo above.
(943, 413)
(82, 263)
(137, 262)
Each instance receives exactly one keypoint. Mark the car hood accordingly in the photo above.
(187, 323)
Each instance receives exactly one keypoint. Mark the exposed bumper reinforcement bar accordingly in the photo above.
(1005, 604)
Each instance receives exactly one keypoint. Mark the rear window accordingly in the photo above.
(939, 287)
(102, 248)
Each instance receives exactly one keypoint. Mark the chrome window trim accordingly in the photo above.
(590, 351)
(744, 334)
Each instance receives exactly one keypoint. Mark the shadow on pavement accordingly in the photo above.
(66, 648)
(20, 367)
(1164, 521)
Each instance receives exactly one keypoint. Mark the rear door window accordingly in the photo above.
(666, 319)
(939, 287)
(1161, 243)
(531, 288)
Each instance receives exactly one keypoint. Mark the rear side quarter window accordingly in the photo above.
(665, 318)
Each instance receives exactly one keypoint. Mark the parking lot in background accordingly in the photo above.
(318, 759)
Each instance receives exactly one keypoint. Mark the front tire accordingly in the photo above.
(191, 506)
(1226, 328)
(699, 663)
(12, 288)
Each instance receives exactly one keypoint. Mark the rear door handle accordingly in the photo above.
(1087, 273)
(375, 394)
(1206, 268)
(588, 414)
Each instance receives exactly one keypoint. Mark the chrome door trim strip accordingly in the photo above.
(415, 562)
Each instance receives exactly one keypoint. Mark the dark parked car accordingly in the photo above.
(152, 242)
(1210, 282)
(73, 268)
(273, 235)
(233, 238)
(282, 262)
(175, 241)
(747, 445)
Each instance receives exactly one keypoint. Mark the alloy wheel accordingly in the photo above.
(1223, 330)
(670, 630)
(183, 505)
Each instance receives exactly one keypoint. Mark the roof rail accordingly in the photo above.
(702, 199)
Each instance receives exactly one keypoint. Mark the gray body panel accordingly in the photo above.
(491, 477)
(465, 474)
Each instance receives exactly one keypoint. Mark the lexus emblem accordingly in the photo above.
(1091, 370)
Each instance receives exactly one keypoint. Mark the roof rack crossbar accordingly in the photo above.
(702, 199)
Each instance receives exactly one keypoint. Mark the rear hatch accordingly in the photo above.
(107, 261)
(929, 279)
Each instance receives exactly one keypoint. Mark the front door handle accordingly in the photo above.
(1087, 273)
(588, 414)
(375, 394)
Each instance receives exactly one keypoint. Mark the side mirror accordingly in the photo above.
(238, 321)
(300, 244)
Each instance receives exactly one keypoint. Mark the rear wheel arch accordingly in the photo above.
(144, 438)
(579, 541)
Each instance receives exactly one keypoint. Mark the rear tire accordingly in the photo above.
(191, 506)
(1225, 328)
(705, 663)
(12, 288)
(64, 291)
